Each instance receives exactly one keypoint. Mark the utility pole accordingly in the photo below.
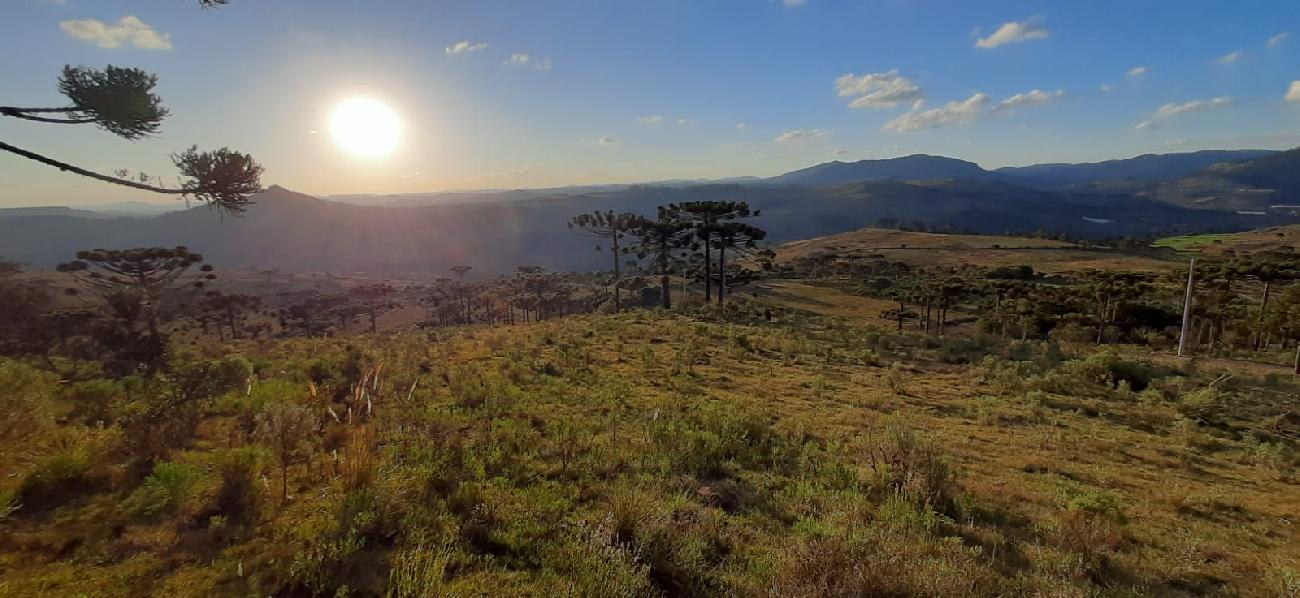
(1187, 309)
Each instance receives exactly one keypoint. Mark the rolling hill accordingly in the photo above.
(914, 167)
(297, 232)
(1147, 167)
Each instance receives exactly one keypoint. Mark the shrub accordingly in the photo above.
(24, 400)
(56, 479)
(419, 573)
(167, 491)
(8, 504)
(237, 493)
(905, 464)
(92, 400)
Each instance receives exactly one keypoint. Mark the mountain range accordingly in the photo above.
(496, 231)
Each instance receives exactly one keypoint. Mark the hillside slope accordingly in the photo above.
(296, 232)
(1147, 167)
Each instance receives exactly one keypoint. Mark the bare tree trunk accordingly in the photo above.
(708, 270)
(722, 273)
(617, 302)
(1296, 366)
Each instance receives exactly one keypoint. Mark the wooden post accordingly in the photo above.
(1187, 308)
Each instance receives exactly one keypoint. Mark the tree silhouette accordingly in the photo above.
(739, 237)
(228, 310)
(461, 291)
(611, 226)
(375, 299)
(703, 216)
(659, 241)
(136, 280)
(122, 102)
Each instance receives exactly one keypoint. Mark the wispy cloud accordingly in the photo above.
(742, 126)
(465, 47)
(129, 30)
(1277, 40)
(1293, 94)
(1230, 57)
(1014, 32)
(681, 122)
(952, 113)
(877, 90)
(653, 119)
(607, 140)
(794, 3)
(524, 59)
(1036, 97)
(801, 135)
(1172, 109)
(1138, 71)
(1105, 89)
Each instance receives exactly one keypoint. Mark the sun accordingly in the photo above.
(365, 126)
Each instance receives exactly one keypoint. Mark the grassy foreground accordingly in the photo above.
(646, 454)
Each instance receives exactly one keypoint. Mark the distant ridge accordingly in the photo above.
(1147, 167)
(914, 167)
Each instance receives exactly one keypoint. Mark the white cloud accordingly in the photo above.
(1138, 71)
(1014, 32)
(952, 113)
(839, 153)
(1277, 40)
(1105, 89)
(1171, 110)
(607, 140)
(877, 90)
(1036, 97)
(465, 47)
(653, 119)
(1230, 57)
(793, 3)
(800, 135)
(742, 126)
(1293, 94)
(681, 122)
(523, 58)
(128, 30)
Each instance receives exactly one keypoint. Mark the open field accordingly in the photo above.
(657, 454)
(938, 249)
(1265, 239)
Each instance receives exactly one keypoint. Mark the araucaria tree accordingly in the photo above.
(704, 216)
(137, 280)
(122, 102)
(660, 241)
(742, 239)
(611, 226)
(375, 299)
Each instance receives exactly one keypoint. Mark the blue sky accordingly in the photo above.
(635, 91)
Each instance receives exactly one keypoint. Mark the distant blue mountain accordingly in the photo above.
(1147, 167)
(914, 167)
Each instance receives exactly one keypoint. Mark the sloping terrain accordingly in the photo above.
(1147, 167)
(296, 232)
(648, 455)
(936, 249)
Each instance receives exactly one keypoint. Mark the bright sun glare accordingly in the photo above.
(365, 127)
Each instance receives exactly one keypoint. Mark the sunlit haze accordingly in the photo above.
(365, 127)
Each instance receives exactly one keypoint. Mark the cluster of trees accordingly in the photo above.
(683, 240)
(1239, 302)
